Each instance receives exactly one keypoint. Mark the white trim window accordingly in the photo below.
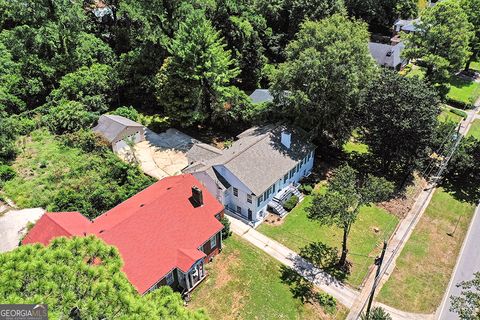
(235, 192)
(249, 198)
(170, 278)
(213, 241)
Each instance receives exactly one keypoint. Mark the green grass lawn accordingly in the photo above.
(448, 115)
(298, 231)
(426, 263)
(475, 65)
(353, 145)
(474, 130)
(244, 283)
(463, 90)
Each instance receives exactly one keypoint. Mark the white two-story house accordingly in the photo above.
(258, 172)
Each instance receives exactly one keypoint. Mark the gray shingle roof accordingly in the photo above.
(261, 95)
(258, 158)
(202, 152)
(110, 126)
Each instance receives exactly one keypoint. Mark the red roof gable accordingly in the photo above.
(56, 224)
(155, 231)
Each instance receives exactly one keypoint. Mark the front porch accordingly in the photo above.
(189, 280)
(276, 204)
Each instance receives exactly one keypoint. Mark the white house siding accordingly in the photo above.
(230, 201)
(130, 133)
(280, 184)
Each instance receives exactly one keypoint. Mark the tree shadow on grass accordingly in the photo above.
(325, 258)
(303, 290)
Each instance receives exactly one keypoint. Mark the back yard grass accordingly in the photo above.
(474, 130)
(448, 115)
(297, 231)
(426, 263)
(244, 283)
(461, 90)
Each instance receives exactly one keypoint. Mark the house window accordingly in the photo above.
(235, 192)
(259, 201)
(239, 210)
(170, 278)
(249, 198)
(273, 188)
(213, 242)
(285, 178)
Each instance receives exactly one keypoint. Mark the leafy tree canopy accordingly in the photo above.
(400, 118)
(328, 66)
(81, 278)
(441, 41)
(467, 305)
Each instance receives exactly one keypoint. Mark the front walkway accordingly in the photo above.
(322, 280)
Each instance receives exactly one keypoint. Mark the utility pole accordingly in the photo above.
(378, 263)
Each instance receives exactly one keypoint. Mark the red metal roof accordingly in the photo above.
(155, 231)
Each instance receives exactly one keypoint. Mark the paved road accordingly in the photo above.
(467, 263)
(13, 225)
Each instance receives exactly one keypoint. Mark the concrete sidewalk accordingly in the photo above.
(344, 294)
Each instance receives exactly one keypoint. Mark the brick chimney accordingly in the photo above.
(197, 197)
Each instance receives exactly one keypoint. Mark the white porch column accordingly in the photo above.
(202, 267)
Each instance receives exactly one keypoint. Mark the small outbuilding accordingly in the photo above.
(119, 130)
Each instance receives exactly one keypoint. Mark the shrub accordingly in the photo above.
(328, 302)
(458, 104)
(460, 113)
(155, 123)
(226, 228)
(6, 173)
(307, 189)
(68, 116)
(85, 139)
(127, 112)
(290, 203)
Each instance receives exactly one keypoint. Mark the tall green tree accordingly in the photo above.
(377, 313)
(463, 174)
(81, 278)
(441, 40)
(94, 86)
(194, 80)
(284, 18)
(243, 27)
(400, 118)
(328, 66)
(472, 9)
(467, 304)
(381, 14)
(347, 192)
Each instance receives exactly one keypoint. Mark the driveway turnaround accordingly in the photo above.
(13, 226)
(344, 294)
(467, 264)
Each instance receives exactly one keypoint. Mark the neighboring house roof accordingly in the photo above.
(56, 224)
(261, 95)
(406, 25)
(155, 231)
(386, 54)
(202, 152)
(111, 126)
(258, 158)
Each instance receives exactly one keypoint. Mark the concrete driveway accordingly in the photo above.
(161, 155)
(13, 226)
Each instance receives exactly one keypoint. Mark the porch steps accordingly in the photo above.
(277, 207)
(297, 193)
